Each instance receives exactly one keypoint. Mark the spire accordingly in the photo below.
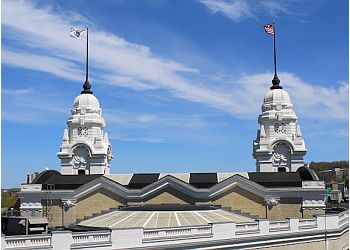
(65, 136)
(105, 138)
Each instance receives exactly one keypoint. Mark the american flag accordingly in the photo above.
(269, 29)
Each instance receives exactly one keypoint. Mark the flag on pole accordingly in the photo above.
(78, 33)
(269, 29)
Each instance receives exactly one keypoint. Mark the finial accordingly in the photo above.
(276, 83)
(86, 87)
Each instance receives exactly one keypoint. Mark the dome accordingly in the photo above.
(86, 101)
(277, 96)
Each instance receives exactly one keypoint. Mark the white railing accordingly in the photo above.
(163, 233)
(27, 241)
(247, 227)
(91, 237)
(149, 234)
(343, 217)
(307, 223)
(280, 225)
(139, 237)
(313, 184)
(31, 187)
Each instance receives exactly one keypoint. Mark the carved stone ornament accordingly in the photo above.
(68, 203)
(80, 158)
(271, 202)
(79, 161)
(279, 159)
(281, 155)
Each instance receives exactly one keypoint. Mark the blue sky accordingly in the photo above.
(180, 83)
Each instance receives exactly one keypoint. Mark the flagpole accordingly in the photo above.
(87, 54)
(87, 85)
(274, 46)
(275, 80)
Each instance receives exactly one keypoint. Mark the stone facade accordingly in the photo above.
(311, 212)
(85, 147)
(58, 215)
(279, 145)
(62, 212)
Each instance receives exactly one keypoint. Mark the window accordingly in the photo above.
(82, 131)
(280, 128)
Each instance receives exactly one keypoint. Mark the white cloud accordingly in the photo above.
(118, 62)
(47, 64)
(136, 139)
(235, 9)
(113, 57)
(126, 119)
(29, 106)
(310, 100)
(238, 10)
(342, 133)
(23, 117)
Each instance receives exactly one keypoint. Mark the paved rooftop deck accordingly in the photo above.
(161, 219)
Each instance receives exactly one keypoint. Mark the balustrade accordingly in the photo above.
(279, 225)
(27, 241)
(343, 217)
(176, 232)
(247, 227)
(94, 239)
(91, 237)
(307, 223)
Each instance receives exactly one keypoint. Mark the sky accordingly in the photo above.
(180, 83)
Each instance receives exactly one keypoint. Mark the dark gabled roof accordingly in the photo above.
(276, 179)
(198, 180)
(44, 176)
(203, 180)
(139, 181)
(52, 179)
(307, 174)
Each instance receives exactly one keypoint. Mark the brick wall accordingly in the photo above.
(309, 213)
(97, 201)
(287, 207)
(241, 199)
(169, 196)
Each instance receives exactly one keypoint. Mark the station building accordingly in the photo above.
(84, 188)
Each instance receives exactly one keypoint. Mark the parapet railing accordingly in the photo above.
(280, 225)
(247, 227)
(138, 237)
(31, 187)
(307, 223)
(88, 238)
(171, 233)
(343, 217)
(27, 241)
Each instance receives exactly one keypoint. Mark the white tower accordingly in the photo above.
(85, 147)
(279, 146)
